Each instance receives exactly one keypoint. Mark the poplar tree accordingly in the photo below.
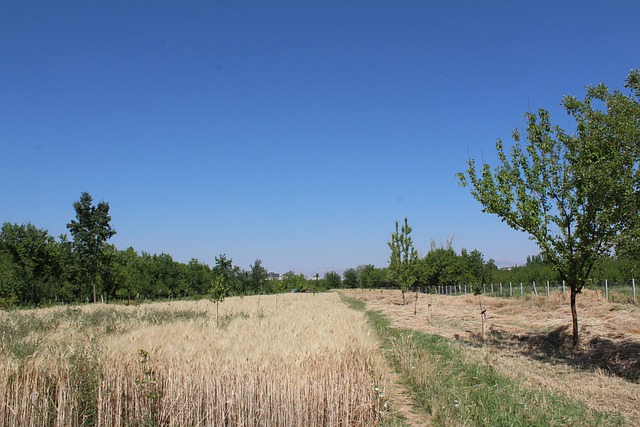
(404, 257)
(575, 194)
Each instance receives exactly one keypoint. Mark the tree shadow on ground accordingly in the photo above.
(614, 355)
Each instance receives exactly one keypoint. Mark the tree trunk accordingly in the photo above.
(93, 281)
(574, 316)
(94, 275)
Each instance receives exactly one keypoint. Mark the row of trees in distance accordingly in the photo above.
(37, 268)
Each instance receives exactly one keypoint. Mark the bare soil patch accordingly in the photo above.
(529, 339)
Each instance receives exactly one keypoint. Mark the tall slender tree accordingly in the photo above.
(403, 260)
(90, 230)
(575, 194)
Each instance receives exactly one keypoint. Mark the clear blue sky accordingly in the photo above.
(296, 132)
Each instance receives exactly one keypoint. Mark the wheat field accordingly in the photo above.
(277, 360)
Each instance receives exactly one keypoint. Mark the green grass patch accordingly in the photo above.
(455, 392)
(22, 332)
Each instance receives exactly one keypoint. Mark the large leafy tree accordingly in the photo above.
(197, 277)
(332, 280)
(350, 278)
(404, 257)
(476, 270)
(367, 276)
(575, 194)
(441, 266)
(27, 254)
(90, 230)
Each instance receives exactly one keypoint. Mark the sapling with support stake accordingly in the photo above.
(218, 292)
(404, 258)
(483, 316)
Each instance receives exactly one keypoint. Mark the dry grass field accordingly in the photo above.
(529, 340)
(286, 360)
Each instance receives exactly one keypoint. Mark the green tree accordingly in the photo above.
(197, 276)
(367, 276)
(402, 263)
(441, 266)
(110, 272)
(65, 270)
(476, 270)
(142, 273)
(257, 277)
(332, 280)
(350, 278)
(90, 230)
(229, 273)
(28, 261)
(165, 275)
(575, 193)
(224, 275)
(219, 290)
(293, 281)
(126, 263)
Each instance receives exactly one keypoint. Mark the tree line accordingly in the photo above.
(39, 269)
(36, 268)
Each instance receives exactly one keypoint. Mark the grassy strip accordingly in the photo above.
(455, 392)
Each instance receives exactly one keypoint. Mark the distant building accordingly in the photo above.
(274, 276)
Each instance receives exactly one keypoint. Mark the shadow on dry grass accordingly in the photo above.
(615, 356)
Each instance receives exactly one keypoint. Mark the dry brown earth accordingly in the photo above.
(529, 339)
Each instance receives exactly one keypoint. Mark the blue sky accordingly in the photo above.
(293, 132)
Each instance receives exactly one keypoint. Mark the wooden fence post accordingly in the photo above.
(520, 289)
(547, 289)
(510, 290)
(500, 288)
(633, 285)
(535, 291)
(606, 290)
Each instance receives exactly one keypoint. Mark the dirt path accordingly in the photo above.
(528, 341)
(402, 403)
